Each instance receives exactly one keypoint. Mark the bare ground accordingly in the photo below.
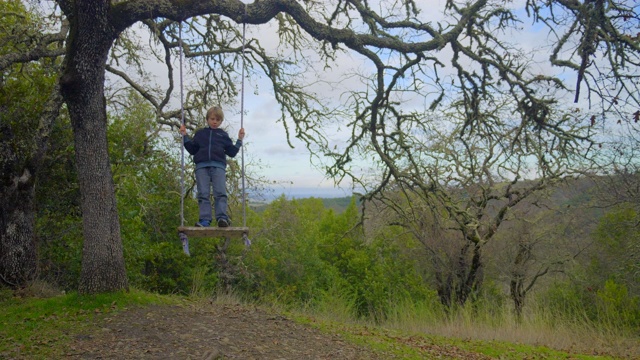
(219, 331)
(212, 332)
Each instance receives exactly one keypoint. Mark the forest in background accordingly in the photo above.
(567, 253)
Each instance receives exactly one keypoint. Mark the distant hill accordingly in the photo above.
(574, 193)
(337, 204)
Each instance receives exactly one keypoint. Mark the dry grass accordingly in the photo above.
(578, 337)
(39, 289)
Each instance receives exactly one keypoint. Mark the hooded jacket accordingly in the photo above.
(210, 147)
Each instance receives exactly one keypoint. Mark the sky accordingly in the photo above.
(289, 171)
(292, 170)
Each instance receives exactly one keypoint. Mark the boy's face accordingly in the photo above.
(214, 121)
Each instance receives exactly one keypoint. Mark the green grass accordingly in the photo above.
(39, 328)
(402, 345)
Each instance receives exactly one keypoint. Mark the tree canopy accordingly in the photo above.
(459, 60)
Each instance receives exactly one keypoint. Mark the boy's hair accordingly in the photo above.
(217, 111)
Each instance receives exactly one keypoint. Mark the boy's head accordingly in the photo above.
(215, 117)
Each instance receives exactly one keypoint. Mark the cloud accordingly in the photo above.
(266, 135)
(282, 150)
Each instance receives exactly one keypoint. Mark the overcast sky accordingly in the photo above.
(292, 170)
(266, 138)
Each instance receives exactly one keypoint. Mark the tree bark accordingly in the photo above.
(468, 275)
(82, 83)
(18, 260)
(516, 285)
(18, 250)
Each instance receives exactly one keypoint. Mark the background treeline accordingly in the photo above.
(562, 255)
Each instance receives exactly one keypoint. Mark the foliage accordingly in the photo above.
(164, 270)
(308, 254)
(616, 306)
(338, 205)
(22, 97)
(285, 260)
(24, 89)
(25, 125)
(610, 306)
(58, 216)
(606, 291)
(616, 251)
(376, 271)
(60, 248)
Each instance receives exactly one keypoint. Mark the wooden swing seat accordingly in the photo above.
(212, 231)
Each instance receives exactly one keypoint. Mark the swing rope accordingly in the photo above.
(183, 237)
(245, 238)
(182, 192)
(244, 197)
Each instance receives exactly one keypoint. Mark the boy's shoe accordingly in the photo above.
(224, 222)
(203, 223)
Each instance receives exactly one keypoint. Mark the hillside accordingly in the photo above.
(336, 204)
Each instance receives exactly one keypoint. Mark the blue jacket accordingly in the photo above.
(210, 147)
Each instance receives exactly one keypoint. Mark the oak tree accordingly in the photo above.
(404, 46)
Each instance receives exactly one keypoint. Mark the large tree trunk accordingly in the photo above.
(103, 267)
(18, 260)
(18, 254)
(470, 275)
(518, 273)
(462, 278)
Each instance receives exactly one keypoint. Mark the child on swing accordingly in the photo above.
(210, 147)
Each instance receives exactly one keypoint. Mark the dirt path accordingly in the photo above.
(208, 332)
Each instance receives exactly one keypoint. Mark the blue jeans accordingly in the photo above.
(206, 178)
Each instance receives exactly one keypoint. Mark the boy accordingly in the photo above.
(210, 147)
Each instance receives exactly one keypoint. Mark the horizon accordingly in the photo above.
(290, 193)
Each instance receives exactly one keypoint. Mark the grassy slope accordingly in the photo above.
(415, 346)
(40, 328)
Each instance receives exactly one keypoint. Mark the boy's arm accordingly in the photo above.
(191, 146)
(232, 150)
(238, 144)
